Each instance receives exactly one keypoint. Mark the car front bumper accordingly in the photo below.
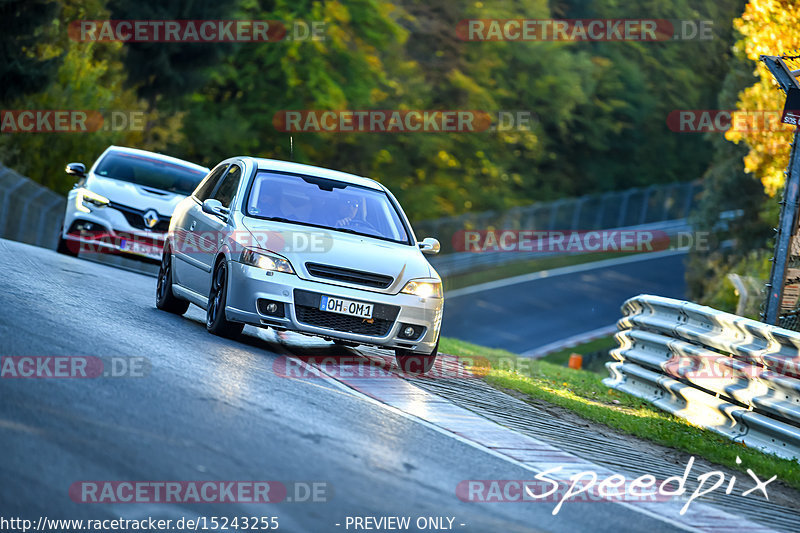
(109, 232)
(247, 285)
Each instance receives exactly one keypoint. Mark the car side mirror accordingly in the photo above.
(76, 169)
(214, 207)
(429, 246)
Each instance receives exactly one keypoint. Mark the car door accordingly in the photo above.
(188, 267)
(212, 229)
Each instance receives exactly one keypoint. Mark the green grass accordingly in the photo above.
(561, 357)
(518, 268)
(583, 392)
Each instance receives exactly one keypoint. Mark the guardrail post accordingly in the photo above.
(645, 205)
(45, 235)
(623, 208)
(7, 205)
(576, 212)
(598, 221)
(23, 217)
(671, 194)
(688, 201)
(554, 207)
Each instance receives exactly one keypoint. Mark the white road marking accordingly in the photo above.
(569, 342)
(702, 512)
(490, 285)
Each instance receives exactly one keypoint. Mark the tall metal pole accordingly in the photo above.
(788, 219)
(784, 238)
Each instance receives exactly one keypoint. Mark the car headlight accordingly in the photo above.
(424, 288)
(86, 200)
(266, 261)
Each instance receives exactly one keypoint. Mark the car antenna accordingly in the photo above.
(291, 148)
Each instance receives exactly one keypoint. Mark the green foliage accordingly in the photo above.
(88, 78)
(735, 181)
(599, 108)
(25, 67)
(620, 138)
(167, 72)
(708, 277)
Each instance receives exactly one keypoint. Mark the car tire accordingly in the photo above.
(216, 322)
(67, 247)
(415, 363)
(165, 298)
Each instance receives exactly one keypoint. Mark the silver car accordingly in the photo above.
(125, 201)
(305, 249)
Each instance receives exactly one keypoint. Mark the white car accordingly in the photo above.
(124, 203)
(306, 249)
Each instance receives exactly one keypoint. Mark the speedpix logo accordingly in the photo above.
(588, 486)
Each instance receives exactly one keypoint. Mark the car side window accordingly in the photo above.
(230, 184)
(207, 186)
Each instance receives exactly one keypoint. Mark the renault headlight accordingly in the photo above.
(424, 288)
(87, 200)
(266, 261)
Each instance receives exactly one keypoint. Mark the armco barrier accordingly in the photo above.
(33, 214)
(657, 207)
(730, 374)
(29, 212)
(459, 262)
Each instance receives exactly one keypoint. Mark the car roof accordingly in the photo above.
(160, 157)
(310, 170)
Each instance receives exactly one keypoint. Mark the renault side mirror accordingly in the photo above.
(76, 169)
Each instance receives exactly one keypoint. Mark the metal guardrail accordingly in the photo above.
(655, 207)
(29, 212)
(730, 374)
(32, 213)
(455, 263)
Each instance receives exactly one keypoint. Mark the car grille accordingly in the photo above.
(347, 275)
(348, 324)
(136, 220)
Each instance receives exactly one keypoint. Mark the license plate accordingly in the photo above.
(345, 307)
(139, 248)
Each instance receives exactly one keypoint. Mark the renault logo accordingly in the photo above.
(150, 218)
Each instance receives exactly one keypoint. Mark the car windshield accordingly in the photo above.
(325, 203)
(148, 172)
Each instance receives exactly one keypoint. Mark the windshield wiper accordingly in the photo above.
(360, 234)
(354, 232)
(344, 230)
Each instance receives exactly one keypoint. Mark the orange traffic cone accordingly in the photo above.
(575, 361)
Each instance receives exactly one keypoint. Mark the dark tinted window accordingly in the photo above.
(325, 203)
(230, 183)
(148, 172)
(205, 189)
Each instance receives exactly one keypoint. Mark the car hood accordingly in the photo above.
(133, 195)
(334, 248)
